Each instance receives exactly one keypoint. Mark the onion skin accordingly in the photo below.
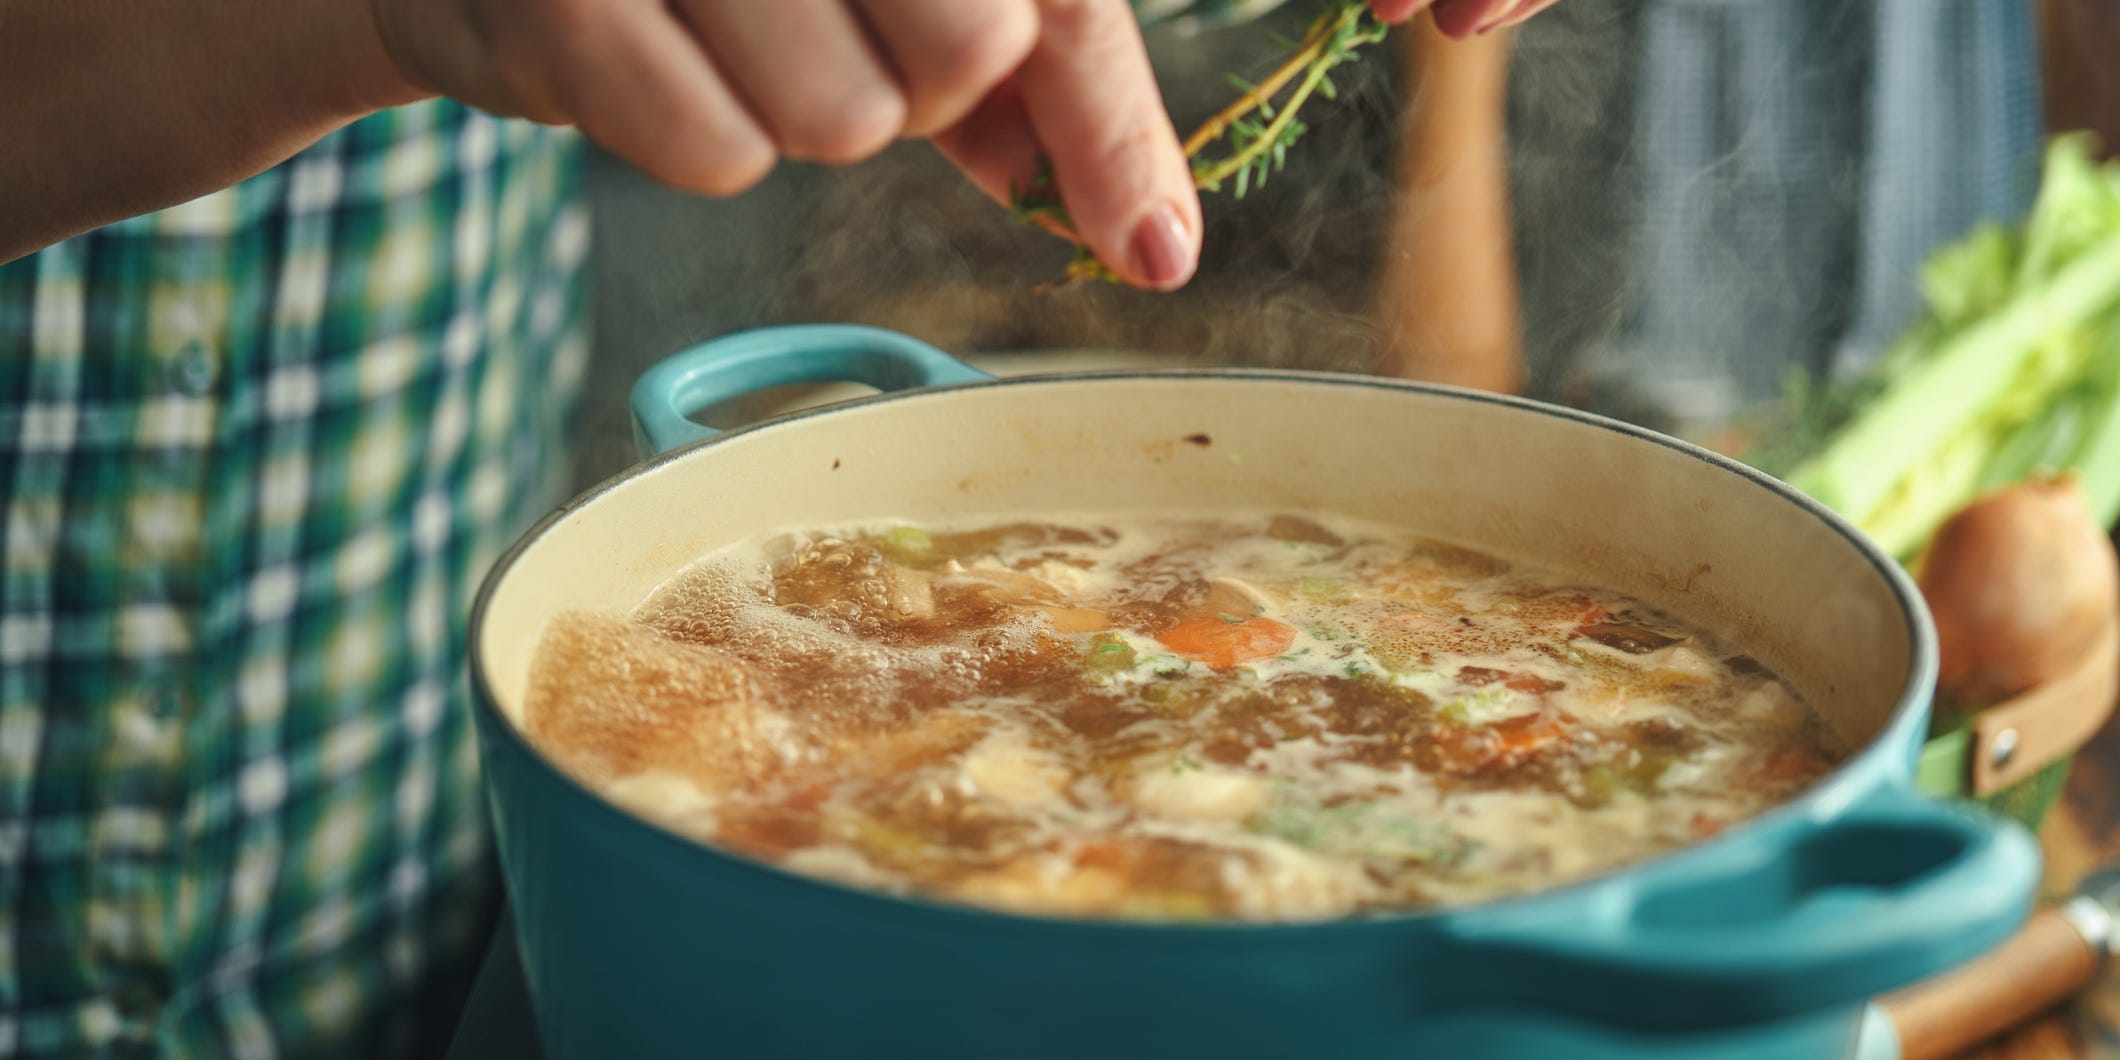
(2021, 583)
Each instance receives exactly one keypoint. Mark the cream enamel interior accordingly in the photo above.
(1646, 518)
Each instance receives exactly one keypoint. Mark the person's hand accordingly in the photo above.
(1086, 98)
(706, 95)
(1464, 18)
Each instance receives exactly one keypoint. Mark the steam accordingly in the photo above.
(1286, 278)
(1683, 235)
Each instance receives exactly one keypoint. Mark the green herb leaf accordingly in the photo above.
(1108, 653)
(1257, 149)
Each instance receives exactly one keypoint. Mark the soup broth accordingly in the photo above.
(1263, 718)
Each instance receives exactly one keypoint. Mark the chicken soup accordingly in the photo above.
(1260, 718)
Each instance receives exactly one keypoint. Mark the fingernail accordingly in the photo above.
(1163, 251)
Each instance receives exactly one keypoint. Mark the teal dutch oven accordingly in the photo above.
(1764, 941)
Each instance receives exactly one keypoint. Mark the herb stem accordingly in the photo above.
(1223, 170)
(1313, 45)
(1256, 151)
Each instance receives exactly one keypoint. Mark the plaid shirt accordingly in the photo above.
(255, 454)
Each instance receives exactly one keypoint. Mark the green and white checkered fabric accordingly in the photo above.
(255, 454)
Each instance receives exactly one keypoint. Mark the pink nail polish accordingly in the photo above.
(1162, 249)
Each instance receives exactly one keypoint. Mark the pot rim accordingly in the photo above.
(1832, 794)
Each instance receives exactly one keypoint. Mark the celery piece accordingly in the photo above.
(905, 544)
(1297, 823)
(2048, 442)
(1324, 590)
(1647, 769)
(1360, 829)
(1108, 653)
(2097, 459)
(1968, 278)
(1927, 496)
(1484, 706)
(1600, 781)
(2098, 469)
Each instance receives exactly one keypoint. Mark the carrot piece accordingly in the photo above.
(1532, 683)
(1110, 855)
(1481, 677)
(1505, 744)
(808, 797)
(1528, 735)
(1223, 642)
(768, 831)
(1790, 764)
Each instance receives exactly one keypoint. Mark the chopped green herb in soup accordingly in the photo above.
(1262, 719)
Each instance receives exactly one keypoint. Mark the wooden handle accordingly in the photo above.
(2043, 963)
(2049, 721)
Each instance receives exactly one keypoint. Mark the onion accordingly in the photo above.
(2021, 582)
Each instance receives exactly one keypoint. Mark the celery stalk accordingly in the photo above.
(2046, 443)
(2012, 372)
(1948, 393)
(1927, 496)
(2097, 458)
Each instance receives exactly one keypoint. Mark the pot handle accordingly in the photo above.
(1894, 889)
(693, 380)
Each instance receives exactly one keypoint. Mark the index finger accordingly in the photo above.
(1092, 100)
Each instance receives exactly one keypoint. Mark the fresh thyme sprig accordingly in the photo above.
(1258, 132)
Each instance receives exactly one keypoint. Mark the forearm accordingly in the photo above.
(112, 109)
(1448, 296)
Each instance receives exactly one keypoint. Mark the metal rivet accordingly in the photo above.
(2003, 749)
